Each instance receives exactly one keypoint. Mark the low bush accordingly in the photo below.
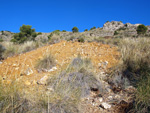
(81, 40)
(54, 33)
(93, 28)
(142, 100)
(85, 30)
(64, 31)
(46, 63)
(10, 99)
(1, 40)
(116, 33)
(135, 66)
(77, 76)
(71, 84)
(141, 29)
(75, 30)
(2, 49)
(11, 49)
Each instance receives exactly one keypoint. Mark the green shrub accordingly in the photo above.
(1, 40)
(141, 29)
(75, 30)
(39, 33)
(63, 30)
(116, 33)
(56, 32)
(81, 40)
(25, 34)
(93, 28)
(86, 30)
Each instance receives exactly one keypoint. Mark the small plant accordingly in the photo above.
(11, 49)
(1, 40)
(86, 30)
(141, 29)
(46, 63)
(93, 28)
(2, 49)
(39, 33)
(81, 40)
(63, 30)
(75, 30)
(27, 46)
(11, 100)
(116, 33)
(76, 81)
(142, 101)
(56, 32)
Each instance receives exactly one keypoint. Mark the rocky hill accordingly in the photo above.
(74, 72)
(109, 29)
(6, 35)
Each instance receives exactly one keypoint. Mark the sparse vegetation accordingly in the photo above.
(136, 67)
(14, 49)
(56, 32)
(72, 82)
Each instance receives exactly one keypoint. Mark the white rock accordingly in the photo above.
(50, 89)
(53, 69)
(100, 64)
(106, 62)
(1, 62)
(110, 97)
(43, 80)
(29, 71)
(14, 65)
(106, 106)
(16, 68)
(100, 99)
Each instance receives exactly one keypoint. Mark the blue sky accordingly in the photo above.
(50, 15)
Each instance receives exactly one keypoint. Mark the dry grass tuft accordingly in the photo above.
(15, 49)
(46, 63)
(135, 66)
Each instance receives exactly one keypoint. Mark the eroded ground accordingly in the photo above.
(22, 67)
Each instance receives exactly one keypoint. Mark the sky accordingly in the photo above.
(50, 15)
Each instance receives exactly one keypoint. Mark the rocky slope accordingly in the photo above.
(103, 57)
(6, 35)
